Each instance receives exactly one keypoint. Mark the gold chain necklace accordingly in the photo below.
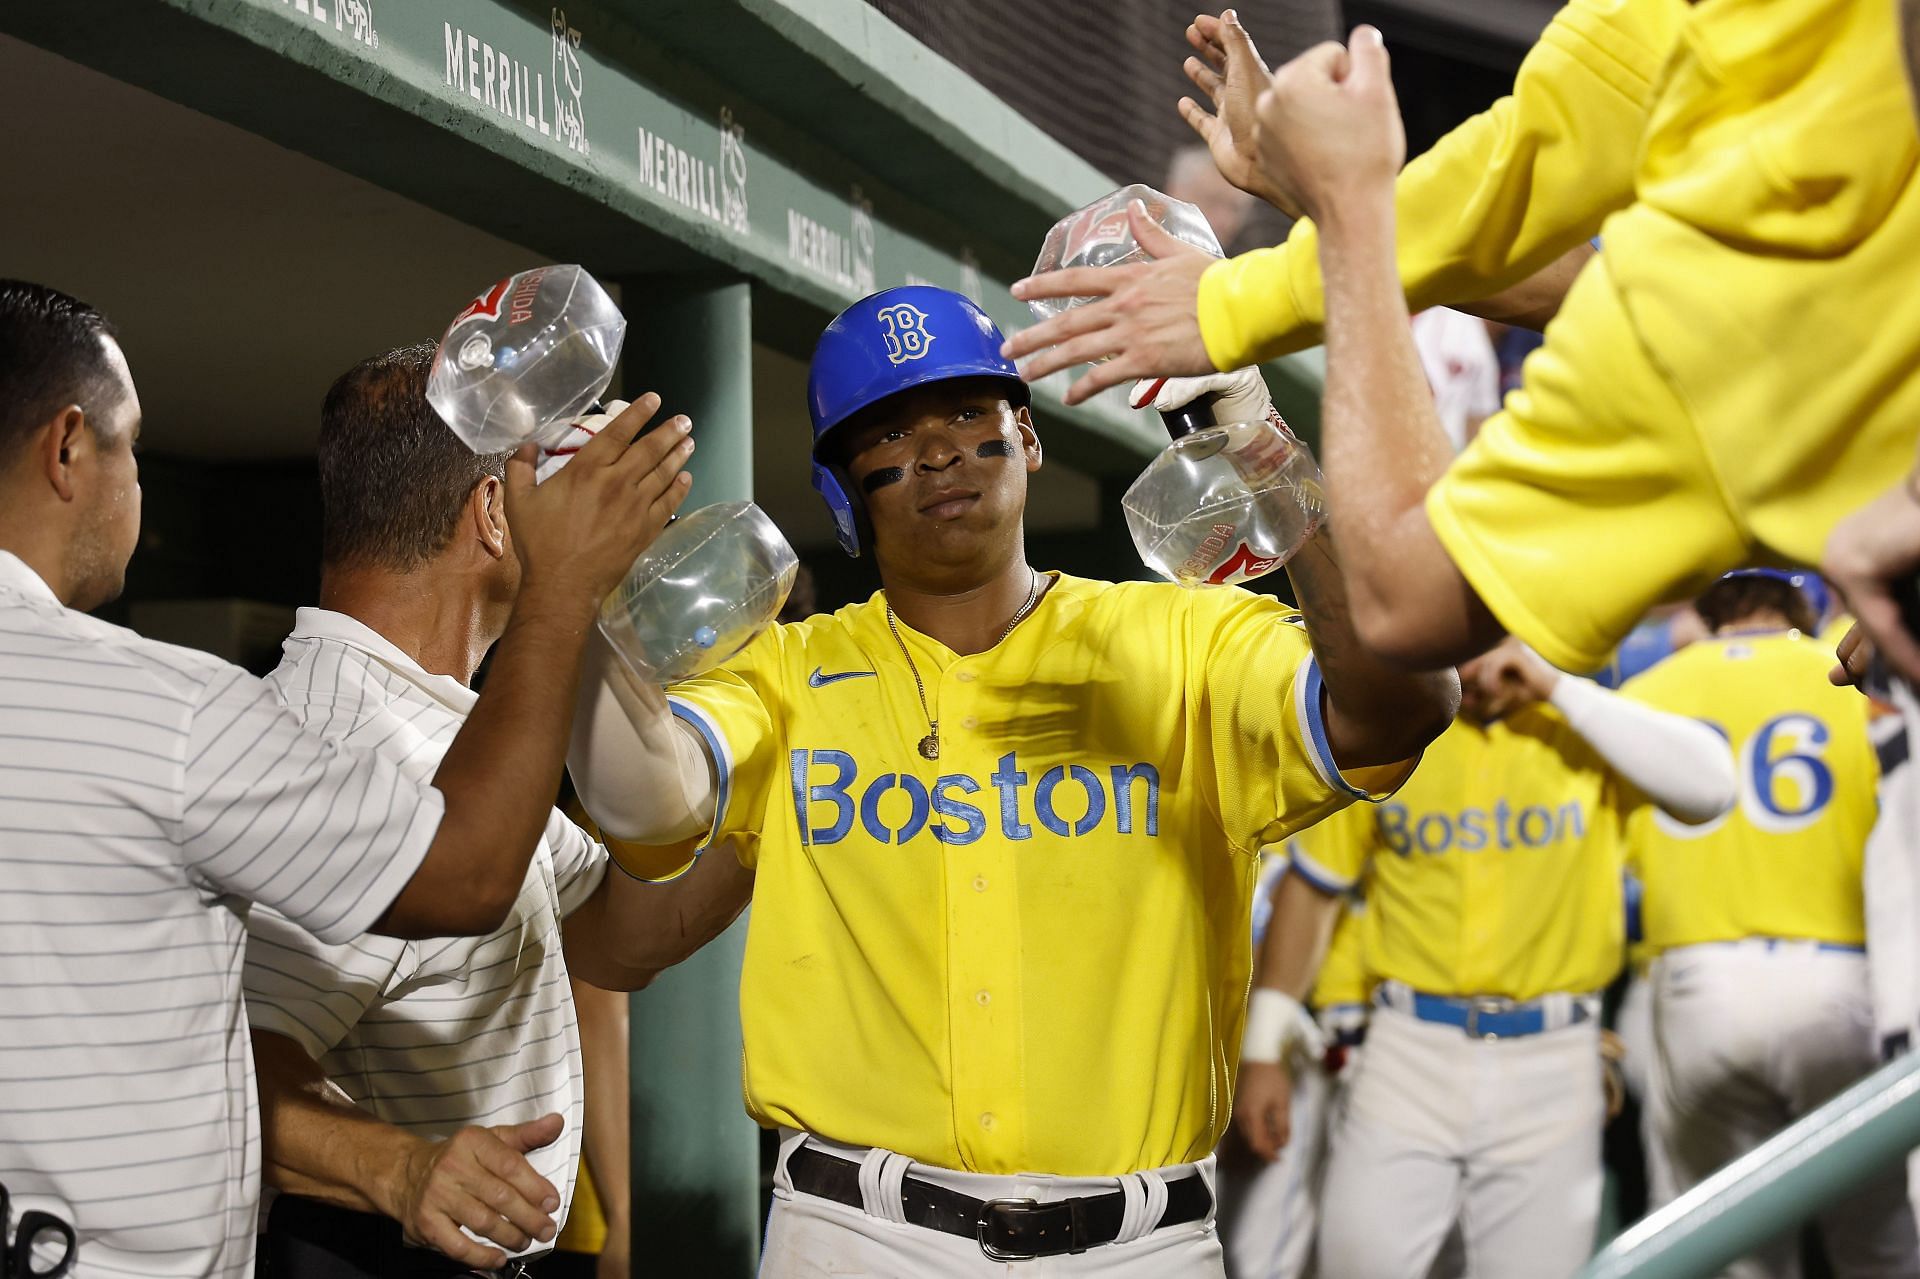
(930, 744)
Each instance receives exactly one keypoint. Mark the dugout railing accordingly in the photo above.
(1862, 1133)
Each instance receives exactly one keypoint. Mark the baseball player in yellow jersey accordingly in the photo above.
(1494, 917)
(1270, 1187)
(1755, 165)
(1004, 828)
(1761, 1004)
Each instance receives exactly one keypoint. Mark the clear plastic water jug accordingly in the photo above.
(701, 593)
(1098, 235)
(1225, 504)
(525, 358)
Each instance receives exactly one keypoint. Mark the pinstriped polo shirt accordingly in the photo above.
(147, 793)
(429, 1035)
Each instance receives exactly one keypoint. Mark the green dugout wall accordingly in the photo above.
(741, 169)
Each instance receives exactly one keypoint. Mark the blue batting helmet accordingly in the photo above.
(884, 344)
(1811, 585)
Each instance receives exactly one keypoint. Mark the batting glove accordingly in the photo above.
(555, 456)
(1242, 396)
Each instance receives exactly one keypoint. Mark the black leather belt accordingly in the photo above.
(1005, 1229)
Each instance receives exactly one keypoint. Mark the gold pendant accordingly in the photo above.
(930, 746)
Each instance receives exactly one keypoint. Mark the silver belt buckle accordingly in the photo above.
(980, 1229)
(1484, 1004)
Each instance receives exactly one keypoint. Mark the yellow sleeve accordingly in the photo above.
(1269, 766)
(738, 710)
(1594, 462)
(1332, 854)
(1493, 201)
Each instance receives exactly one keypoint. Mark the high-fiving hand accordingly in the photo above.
(1145, 316)
(1230, 71)
(1869, 556)
(1329, 131)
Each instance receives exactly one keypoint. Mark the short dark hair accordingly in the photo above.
(50, 356)
(393, 476)
(1733, 600)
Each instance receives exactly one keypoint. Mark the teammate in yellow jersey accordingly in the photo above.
(1293, 1063)
(1754, 163)
(1004, 827)
(1494, 917)
(1761, 1004)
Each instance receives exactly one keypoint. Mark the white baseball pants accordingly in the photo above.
(813, 1238)
(1500, 1137)
(1752, 1035)
(1269, 1212)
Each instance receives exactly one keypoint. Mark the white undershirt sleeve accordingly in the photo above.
(1680, 764)
(643, 775)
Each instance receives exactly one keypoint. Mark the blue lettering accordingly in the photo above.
(1393, 828)
(1573, 820)
(1043, 799)
(1473, 830)
(1008, 779)
(1434, 844)
(1501, 813)
(1545, 836)
(870, 807)
(975, 820)
(834, 793)
(1123, 779)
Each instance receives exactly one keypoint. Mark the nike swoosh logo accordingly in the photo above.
(820, 679)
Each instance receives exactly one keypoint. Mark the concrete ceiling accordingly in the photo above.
(244, 277)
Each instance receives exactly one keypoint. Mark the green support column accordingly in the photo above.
(696, 1155)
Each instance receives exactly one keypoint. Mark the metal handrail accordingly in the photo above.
(1862, 1133)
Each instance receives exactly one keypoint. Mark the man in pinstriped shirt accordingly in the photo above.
(148, 793)
(435, 1084)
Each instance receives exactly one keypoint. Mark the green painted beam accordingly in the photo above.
(1863, 1133)
(696, 1154)
(579, 131)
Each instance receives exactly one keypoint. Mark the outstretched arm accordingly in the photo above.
(1506, 195)
(644, 776)
(1680, 764)
(1376, 713)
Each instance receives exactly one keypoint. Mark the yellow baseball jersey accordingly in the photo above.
(1494, 871)
(1786, 862)
(1731, 376)
(1032, 953)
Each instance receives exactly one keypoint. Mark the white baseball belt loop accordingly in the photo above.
(881, 1175)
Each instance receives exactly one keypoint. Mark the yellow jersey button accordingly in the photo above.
(986, 1121)
(983, 998)
(979, 883)
(965, 677)
(971, 721)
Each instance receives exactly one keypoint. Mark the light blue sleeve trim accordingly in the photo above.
(1317, 875)
(722, 765)
(1308, 702)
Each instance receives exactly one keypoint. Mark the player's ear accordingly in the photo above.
(1029, 438)
(487, 514)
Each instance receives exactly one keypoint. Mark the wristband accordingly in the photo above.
(1273, 1025)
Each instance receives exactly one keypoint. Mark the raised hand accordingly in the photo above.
(1871, 555)
(1329, 128)
(1230, 71)
(1147, 318)
(478, 1178)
